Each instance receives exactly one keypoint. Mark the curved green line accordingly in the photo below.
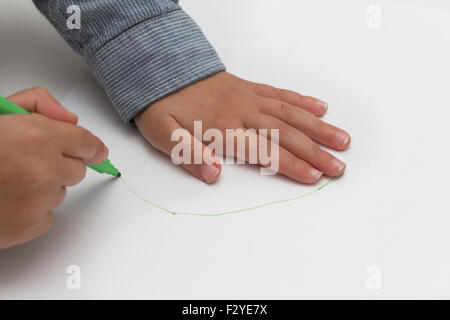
(225, 212)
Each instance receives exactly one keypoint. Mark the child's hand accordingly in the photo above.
(39, 157)
(224, 101)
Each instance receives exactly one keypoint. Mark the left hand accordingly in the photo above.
(224, 101)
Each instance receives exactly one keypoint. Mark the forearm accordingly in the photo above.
(139, 51)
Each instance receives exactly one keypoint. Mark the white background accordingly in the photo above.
(388, 88)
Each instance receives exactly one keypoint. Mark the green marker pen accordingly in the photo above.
(7, 107)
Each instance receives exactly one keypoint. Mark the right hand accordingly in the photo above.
(40, 155)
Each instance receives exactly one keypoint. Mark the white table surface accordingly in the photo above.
(389, 88)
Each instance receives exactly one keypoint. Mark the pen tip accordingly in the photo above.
(119, 175)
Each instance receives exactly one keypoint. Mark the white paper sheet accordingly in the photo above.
(388, 88)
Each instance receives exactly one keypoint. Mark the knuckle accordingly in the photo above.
(82, 172)
(32, 212)
(318, 125)
(26, 213)
(85, 134)
(63, 192)
(153, 114)
(77, 173)
(50, 218)
(5, 245)
(263, 143)
(300, 173)
(40, 91)
(273, 91)
(278, 93)
(299, 169)
(37, 118)
(315, 150)
(88, 138)
(286, 110)
(299, 97)
(37, 177)
(285, 131)
(267, 89)
(192, 146)
(62, 196)
(36, 134)
(29, 231)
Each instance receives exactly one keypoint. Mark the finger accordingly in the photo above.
(304, 121)
(287, 163)
(59, 199)
(195, 157)
(37, 205)
(299, 144)
(39, 100)
(297, 169)
(77, 142)
(72, 171)
(313, 105)
(22, 233)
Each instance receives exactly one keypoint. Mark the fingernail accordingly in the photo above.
(342, 138)
(209, 173)
(323, 105)
(316, 173)
(208, 157)
(338, 165)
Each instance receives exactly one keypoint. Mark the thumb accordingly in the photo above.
(204, 165)
(39, 100)
(209, 169)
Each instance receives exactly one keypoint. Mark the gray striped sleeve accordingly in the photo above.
(139, 51)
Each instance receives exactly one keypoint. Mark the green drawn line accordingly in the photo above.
(145, 200)
(226, 212)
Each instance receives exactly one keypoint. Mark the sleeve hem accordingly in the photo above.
(152, 60)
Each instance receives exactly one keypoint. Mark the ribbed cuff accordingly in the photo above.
(152, 60)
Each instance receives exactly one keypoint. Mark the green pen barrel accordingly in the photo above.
(10, 108)
(105, 167)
